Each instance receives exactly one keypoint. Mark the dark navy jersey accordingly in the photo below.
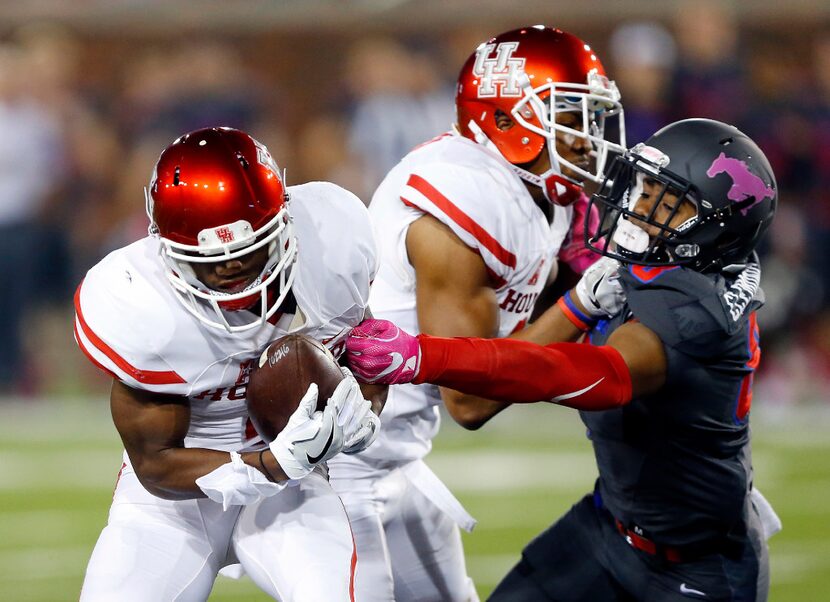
(677, 463)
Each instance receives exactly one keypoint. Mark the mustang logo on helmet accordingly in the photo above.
(745, 184)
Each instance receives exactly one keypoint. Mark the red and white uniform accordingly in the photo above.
(130, 324)
(473, 192)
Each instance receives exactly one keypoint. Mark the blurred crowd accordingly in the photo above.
(83, 121)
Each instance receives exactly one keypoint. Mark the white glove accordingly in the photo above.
(237, 484)
(599, 289)
(310, 437)
(361, 426)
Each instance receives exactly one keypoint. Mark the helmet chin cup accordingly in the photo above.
(239, 304)
(631, 237)
(560, 191)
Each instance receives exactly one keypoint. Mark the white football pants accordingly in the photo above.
(409, 549)
(296, 546)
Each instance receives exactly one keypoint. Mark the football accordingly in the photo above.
(281, 377)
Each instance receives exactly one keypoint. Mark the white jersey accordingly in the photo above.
(130, 323)
(474, 192)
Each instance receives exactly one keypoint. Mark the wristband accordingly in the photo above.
(237, 484)
(576, 317)
(264, 468)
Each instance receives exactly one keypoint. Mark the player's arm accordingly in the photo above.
(376, 394)
(153, 427)
(587, 377)
(454, 297)
(583, 376)
(552, 326)
(597, 294)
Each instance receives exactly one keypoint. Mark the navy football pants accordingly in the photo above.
(582, 557)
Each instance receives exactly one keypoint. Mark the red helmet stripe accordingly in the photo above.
(148, 377)
(459, 217)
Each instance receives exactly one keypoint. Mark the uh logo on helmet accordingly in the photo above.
(499, 74)
(725, 176)
(528, 75)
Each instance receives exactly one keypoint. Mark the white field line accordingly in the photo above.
(483, 471)
(36, 564)
(792, 562)
(50, 420)
(477, 471)
(43, 562)
(73, 469)
(33, 528)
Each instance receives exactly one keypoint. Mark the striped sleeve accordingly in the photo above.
(457, 203)
(106, 335)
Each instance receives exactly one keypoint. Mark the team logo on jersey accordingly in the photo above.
(500, 72)
(738, 296)
(745, 184)
(224, 234)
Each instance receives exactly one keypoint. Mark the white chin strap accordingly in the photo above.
(631, 237)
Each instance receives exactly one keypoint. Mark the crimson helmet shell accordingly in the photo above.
(213, 177)
(216, 194)
(521, 73)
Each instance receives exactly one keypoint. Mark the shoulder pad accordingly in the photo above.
(688, 310)
(337, 256)
(122, 323)
(474, 204)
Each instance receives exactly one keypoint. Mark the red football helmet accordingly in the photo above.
(530, 75)
(216, 194)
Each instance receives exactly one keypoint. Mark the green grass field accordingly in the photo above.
(58, 463)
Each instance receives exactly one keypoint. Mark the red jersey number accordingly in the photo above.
(745, 394)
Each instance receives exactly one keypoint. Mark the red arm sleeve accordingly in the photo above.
(577, 375)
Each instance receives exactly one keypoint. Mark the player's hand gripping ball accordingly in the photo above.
(285, 370)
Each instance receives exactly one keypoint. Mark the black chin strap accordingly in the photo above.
(542, 203)
(289, 304)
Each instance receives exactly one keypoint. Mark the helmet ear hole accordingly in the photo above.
(503, 120)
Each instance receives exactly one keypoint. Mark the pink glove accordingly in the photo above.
(381, 353)
(573, 251)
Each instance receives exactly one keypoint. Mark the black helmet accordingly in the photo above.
(716, 167)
